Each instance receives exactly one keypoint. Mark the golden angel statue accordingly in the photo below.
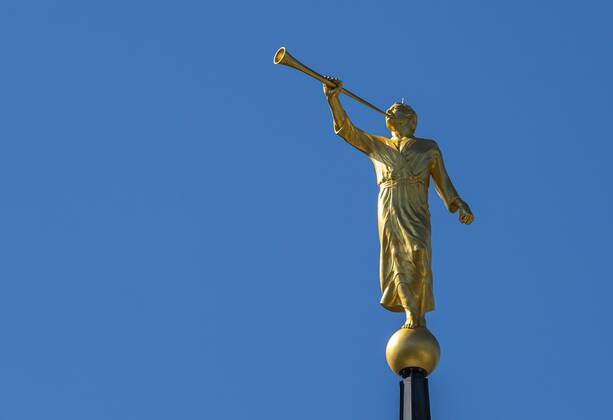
(404, 165)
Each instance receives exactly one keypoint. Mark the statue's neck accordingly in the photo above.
(397, 136)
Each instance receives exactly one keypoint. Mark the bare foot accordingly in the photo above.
(413, 323)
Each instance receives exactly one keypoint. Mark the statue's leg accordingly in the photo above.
(414, 317)
(420, 258)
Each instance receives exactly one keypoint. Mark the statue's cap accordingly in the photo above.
(402, 108)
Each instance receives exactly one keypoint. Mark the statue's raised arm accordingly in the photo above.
(343, 125)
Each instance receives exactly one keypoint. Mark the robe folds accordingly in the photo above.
(403, 169)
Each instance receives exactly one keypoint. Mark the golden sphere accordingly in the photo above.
(412, 348)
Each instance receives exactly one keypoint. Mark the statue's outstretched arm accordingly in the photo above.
(343, 126)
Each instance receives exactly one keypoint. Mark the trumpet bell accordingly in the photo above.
(279, 56)
(285, 58)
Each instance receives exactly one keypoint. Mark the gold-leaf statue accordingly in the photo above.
(404, 165)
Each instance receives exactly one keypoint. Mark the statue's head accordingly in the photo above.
(401, 119)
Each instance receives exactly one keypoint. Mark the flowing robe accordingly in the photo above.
(403, 170)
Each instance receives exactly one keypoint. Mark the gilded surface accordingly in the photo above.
(415, 347)
(404, 165)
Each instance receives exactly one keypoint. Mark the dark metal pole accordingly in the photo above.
(414, 396)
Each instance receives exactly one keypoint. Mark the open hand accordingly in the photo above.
(335, 91)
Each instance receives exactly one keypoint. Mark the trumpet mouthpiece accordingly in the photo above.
(279, 55)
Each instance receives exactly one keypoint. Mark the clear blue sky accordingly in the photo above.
(183, 236)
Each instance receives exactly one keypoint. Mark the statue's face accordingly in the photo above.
(401, 119)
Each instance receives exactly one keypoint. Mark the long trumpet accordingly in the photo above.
(285, 58)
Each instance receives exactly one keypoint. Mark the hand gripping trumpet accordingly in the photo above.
(285, 58)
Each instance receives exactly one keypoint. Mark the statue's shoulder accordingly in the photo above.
(382, 139)
(427, 144)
